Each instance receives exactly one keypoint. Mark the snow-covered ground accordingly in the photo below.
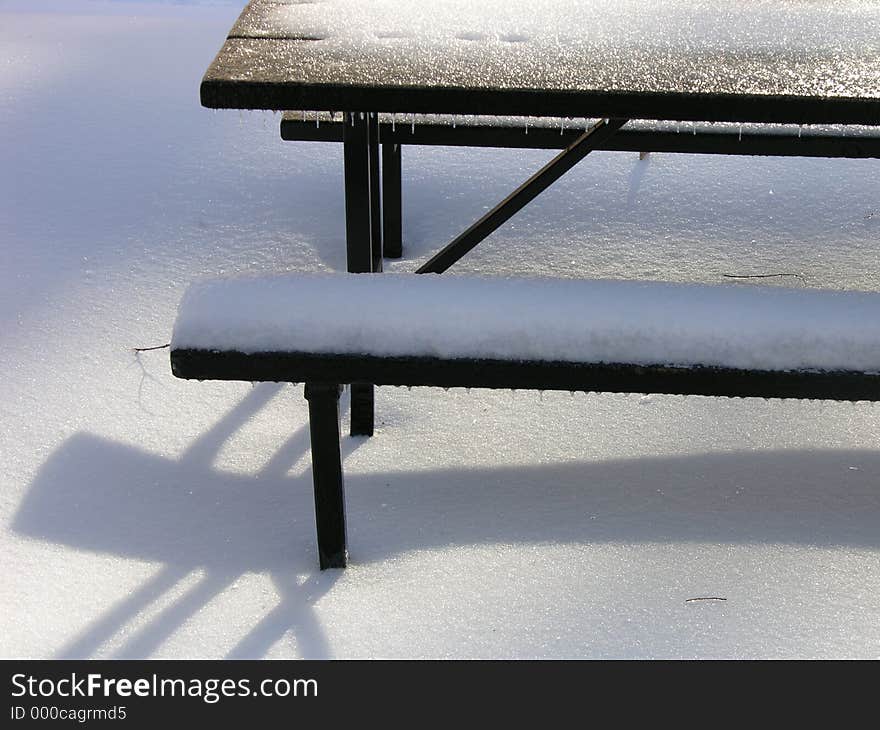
(148, 516)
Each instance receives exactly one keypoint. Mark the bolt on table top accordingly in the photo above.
(782, 61)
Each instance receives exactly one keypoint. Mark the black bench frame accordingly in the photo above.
(373, 199)
(322, 375)
(393, 135)
(252, 71)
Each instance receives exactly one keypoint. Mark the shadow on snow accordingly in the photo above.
(98, 495)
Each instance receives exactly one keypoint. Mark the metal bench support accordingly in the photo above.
(375, 194)
(362, 231)
(685, 138)
(327, 474)
(522, 196)
(316, 369)
(358, 226)
(392, 204)
(690, 140)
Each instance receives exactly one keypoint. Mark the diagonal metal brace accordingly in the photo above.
(522, 196)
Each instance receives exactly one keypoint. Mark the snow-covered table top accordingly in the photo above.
(785, 61)
(543, 320)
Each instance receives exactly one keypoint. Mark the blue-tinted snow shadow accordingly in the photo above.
(115, 499)
(118, 500)
(639, 170)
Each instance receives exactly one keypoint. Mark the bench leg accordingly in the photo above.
(375, 194)
(362, 410)
(392, 205)
(327, 474)
(359, 236)
(358, 223)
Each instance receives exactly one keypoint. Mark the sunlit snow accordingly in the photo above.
(144, 515)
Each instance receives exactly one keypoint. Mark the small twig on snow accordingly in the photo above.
(705, 598)
(147, 349)
(799, 277)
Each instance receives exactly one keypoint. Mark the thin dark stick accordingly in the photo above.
(800, 277)
(157, 347)
(705, 598)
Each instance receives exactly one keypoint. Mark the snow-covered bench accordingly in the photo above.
(611, 336)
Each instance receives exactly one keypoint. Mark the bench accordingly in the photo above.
(542, 334)
(394, 131)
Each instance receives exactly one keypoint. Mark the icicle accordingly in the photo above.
(453, 121)
(304, 114)
(800, 129)
(740, 132)
(527, 125)
(413, 128)
(562, 126)
(695, 128)
(318, 120)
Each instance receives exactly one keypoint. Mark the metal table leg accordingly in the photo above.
(359, 238)
(392, 205)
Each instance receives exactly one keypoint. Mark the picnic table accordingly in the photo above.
(470, 73)
(601, 62)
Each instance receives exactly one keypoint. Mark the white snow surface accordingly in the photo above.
(719, 25)
(448, 316)
(143, 515)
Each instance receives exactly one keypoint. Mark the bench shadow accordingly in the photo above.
(208, 528)
(97, 496)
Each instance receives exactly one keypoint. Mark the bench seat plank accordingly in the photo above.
(850, 141)
(402, 329)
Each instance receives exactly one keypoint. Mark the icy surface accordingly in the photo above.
(781, 48)
(445, 316)
(143, 515)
